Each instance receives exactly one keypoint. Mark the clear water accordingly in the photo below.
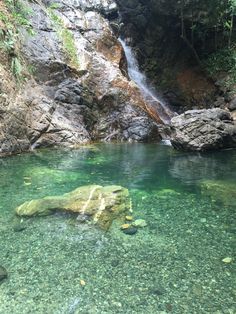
(174, 265)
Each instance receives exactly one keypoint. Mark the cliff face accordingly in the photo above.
(74, 89)
(64, 74)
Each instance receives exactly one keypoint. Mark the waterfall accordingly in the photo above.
(151, 98)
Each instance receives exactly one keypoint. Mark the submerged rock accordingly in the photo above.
(219, 192)
(139, 223)
(227, 260)
(3, 273)
(125, 226)
(130, 231)
(102, 204)
(19, 227)
(202, 130)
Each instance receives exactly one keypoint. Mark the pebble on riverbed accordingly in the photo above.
(125, 226)
(130, 231)
(129, 218)
(3, 273)
(139, 223)
(227, 260)
(19, 227)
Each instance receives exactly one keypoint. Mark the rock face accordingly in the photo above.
(78, 90)
(101, 204)
(202, 130)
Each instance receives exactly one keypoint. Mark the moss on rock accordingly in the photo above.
(219, 192)
(102, 204)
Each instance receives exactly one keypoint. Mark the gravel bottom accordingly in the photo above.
(174, 265)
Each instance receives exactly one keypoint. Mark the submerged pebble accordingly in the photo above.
(82, 283)
(130, 230)
(82, 218)
(129, 218)
(19, 228)
(3, 273)
(139, 223)
(125, 226)
(227, 260)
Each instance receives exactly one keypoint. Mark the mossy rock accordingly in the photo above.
(102, 204)
(220, 192)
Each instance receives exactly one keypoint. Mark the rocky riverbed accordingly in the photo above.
(180, 261)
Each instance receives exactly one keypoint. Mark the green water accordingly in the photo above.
(174, 265)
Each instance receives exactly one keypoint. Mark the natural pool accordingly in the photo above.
(174, 265)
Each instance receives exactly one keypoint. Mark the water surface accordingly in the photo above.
(174, 265)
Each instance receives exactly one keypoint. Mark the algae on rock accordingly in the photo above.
(102, 204)
(220, 192)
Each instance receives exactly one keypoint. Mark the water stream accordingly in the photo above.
(174, 265)
(148, 92)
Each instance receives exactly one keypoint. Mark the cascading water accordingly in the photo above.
(150, 97)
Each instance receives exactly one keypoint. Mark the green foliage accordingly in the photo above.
(16, 17)
(7, 40)
(54, 6)
(207, 19)
(16, 68)
(67, 38)
(223, 61)
(20, 14)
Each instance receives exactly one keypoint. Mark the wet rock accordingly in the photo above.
(202, 130)
(220, 102)
(3, 273)
(232, 105)
(102, 204)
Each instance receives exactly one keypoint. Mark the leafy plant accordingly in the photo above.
(14, 17)
(54, 6)
(16, 68)
(223, 61)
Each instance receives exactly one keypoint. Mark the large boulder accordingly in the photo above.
(202, 130)
(101, 204)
